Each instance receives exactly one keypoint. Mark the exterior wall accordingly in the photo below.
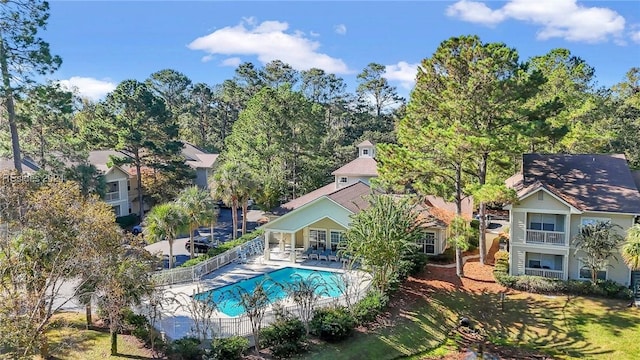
(518, 227)
(202, 178)
(351, 180)
(617, 271)
(548, 203)
(123, 197)
(316, 212)
(325, 224)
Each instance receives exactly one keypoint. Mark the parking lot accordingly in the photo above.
(221, 233)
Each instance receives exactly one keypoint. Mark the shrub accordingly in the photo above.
(447, 257)
(230, 348)
(285, 337)
(231, 244)
(127, 220)
(196, 260)
(366, 310)
(542, 285)
(185, 349)
(332, 324)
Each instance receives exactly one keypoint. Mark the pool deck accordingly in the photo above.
(176, 321)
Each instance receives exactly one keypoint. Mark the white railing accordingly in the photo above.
(112, 196)
(548, 273)
(176, 327)
(545, 237)
(195, 273)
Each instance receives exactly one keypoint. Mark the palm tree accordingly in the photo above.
(163, 223)
(246, 188)
(226, 186)
(631, 249)
(197, 206)
(599, 241)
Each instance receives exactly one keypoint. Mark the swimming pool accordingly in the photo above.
(229, 305)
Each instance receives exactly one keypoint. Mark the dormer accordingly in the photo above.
(363, 168)
(366, 149)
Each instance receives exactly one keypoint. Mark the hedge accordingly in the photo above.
(543, 285)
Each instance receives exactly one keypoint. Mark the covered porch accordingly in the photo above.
(546, 265)
(319, 240)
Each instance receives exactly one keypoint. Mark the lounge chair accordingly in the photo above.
(333, 255)
(313, 255)
(324, 255)
(306, 253)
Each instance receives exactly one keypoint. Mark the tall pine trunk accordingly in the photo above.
(459, 263)
(482, 241)
(245, 210)
(11, 111)
(88, 312)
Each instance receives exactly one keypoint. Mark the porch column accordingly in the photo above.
(267, 250)
(292, 255)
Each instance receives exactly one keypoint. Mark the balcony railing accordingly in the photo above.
(548, 273)
(545, 237)
(112, 196)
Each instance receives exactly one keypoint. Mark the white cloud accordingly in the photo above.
(475, 12)
(314, 34)
(269, 41)
(557, 18)
(88, 87)
(232, 61)
(207, 58)
(402, 72)
(634, 34)
(340, 29)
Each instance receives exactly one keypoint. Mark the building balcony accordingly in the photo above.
(548, 273)
(546, 237)
(112, 196)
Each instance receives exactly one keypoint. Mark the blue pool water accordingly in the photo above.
(274, 283)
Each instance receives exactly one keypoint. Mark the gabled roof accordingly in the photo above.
(588, 182)
(365, 166)
(350, 197)
(365, 143)
(196, 157)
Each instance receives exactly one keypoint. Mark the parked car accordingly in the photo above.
(202, 244)
(136, 230)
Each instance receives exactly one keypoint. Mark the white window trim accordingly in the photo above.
(365, 151)
(318, 243)
(423, 243)
(581, 264)
(583, 218)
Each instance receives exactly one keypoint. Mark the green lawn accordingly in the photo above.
(575, 328)
(69, 340)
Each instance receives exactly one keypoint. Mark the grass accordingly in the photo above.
(564, 328)
(68, 339)
(417, 330)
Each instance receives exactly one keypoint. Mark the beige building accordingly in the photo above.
(557, 195)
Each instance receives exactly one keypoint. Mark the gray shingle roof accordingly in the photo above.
(589, 182)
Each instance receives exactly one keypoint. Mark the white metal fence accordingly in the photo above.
(176, 327)
(196, 272)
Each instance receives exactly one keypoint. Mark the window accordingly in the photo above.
(365, 151)
(540, 195)
(428, 244)
(343, 179)
(116, 210)
(545, 222)
(534, 264)
(112, 187)
(317, 238)
(591, 220)
(336, 237)
(584, 273)
(128, 185)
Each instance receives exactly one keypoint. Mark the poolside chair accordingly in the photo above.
(333, 256)
(324, 255)
(313, 255)
(306, 253)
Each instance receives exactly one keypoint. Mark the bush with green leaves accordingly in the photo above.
(185, 349)
(285, 337)
(237, 242)
(543, 285)
(367, 309)
(230, 348)
(127, 221)
(447, 257)
(332, 324)
(195, 261)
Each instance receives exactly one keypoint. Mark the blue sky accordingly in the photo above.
(103, 43)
